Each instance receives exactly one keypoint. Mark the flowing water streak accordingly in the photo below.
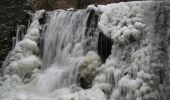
(67, 37)
(64, 39)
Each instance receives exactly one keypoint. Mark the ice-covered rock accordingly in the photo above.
(23, 60)
(90, 94)
(89, 69)
(23, 66)
(121, 21)
(129, 67)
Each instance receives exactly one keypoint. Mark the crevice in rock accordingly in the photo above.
(91, 32)
(104, 46)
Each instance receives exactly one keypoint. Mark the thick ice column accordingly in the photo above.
(23, 58)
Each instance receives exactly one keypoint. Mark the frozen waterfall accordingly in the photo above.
(117, 51)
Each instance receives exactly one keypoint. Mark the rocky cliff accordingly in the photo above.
(12, 13)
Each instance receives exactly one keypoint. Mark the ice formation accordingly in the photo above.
(90, 64)
(22, 60)
(24, 77)
(121, 22)
(23, 57)
(126, 24)
(131, 72)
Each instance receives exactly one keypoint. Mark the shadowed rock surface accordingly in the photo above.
(13, 13)
(78, 4)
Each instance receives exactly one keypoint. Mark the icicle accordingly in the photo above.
(20, 33)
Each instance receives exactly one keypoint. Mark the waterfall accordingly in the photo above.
(66, 37)
(109, 52)
(63, 42)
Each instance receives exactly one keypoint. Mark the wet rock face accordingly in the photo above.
(13, 13)
(104, 46)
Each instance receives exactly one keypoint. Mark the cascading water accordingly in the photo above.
(135, 35)
(67, 37)
(63, 43)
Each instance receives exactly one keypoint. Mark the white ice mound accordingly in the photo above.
(33, 32)
(89, 66)
(91, 60)
(89, 94)
(23, 57)
(122, 22)
(27, 45)
(39, 14)
(23, 66)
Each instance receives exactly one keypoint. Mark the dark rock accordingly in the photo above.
(53, 4)
(13, 13)
(104, 46)
(91, 33)
(85, 84)
(64, 4)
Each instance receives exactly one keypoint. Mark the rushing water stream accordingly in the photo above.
(63, 43)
